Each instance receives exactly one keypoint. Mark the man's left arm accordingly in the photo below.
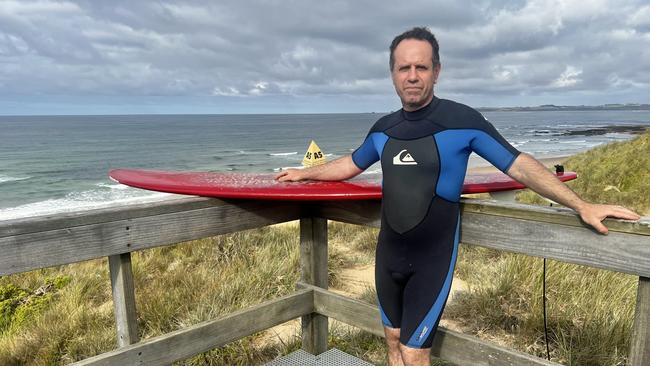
(528, 171)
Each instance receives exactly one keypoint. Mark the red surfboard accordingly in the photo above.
(265, 187)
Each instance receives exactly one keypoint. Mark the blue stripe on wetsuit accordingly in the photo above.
(384, 318)
(453, 149)
(421, 334)
(370, 151)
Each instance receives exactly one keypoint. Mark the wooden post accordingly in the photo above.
(313, 263)
(123, 299)
(640, 344)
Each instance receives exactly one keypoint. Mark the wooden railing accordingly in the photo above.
(40, 242)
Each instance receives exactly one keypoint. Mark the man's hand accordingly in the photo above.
(290, 175)
(528, 171)
(594, 214)
(339, 169)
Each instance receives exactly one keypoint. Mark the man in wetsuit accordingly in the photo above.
(423, 149)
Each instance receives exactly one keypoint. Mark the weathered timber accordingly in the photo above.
(640, 343)
(97, 216)
(68, 242)
(553, 215)
(123, 299)
(313, 270)
(367, 213)
(617, 251)
(350, 311)
(464, 350)
(184, 343)
(352, 212)
(538, 231)
(451, 346)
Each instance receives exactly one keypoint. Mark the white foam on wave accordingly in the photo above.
(103, 197)
(287, 167)
(284, 154)
(112, 186)
(573, 141)
(6, 178)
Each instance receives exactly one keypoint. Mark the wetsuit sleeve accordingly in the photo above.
(490, 145)
(366, 154)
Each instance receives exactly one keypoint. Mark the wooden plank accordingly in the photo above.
(68, 244)
(313, 263)
(353, 212)
(126, 320)
(313, 251)
(556, 215)
(115, 213)
(464, 350)
(454, 347)
(617, 251)
(640, 343)
(538, 231)
(184, 343)
(350, 311)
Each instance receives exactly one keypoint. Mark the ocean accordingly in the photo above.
(54, 164)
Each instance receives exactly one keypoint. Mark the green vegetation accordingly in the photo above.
(589, 311)
(60, 315)
(617, 173)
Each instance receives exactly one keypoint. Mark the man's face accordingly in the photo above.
(414, 73)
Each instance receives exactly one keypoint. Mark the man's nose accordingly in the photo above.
(412, 75)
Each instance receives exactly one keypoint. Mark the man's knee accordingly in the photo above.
(392, 335)
(415, 355)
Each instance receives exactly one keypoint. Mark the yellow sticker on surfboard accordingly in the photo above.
(314, 156)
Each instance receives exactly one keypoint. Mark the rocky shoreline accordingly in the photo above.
(634, 129)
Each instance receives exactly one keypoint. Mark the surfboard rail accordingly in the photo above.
(265, 187)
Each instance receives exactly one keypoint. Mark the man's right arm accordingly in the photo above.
(339, 169)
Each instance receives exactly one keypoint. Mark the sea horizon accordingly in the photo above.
(544, 107)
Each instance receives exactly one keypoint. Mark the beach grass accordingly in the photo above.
(616, 173)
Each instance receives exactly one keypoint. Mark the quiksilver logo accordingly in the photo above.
(424, 331)
(404, 158)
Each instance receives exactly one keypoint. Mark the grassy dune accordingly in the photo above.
(60, 315)
(616, 173)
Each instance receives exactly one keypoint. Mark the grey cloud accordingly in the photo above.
(239, 48)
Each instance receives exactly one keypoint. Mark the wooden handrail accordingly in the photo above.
(41, 242)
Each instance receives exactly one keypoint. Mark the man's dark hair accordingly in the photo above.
(421, 33)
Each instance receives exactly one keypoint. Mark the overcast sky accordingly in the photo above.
(280, 56)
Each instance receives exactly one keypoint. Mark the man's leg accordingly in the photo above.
(401, 355)
(415, 356)
(392, 340)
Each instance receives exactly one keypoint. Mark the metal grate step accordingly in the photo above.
(332, 357)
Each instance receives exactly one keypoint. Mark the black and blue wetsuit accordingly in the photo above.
(424, 159)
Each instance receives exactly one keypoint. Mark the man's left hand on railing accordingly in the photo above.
(530, 172)
(594, 214)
